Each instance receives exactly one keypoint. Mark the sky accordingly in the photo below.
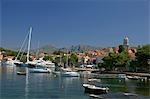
(62, 23)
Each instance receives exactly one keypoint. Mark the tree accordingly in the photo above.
(109, 61)
(73, 59)
(114, 60)
(11, 53)
(133, 65)
(121, 48)
(2, 49)
(48, 58)
(58, 52)
(123, 61)
(143, 57)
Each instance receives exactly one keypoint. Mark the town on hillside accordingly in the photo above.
(121, 58)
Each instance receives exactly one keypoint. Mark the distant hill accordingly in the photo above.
(45, 49)
(50, 48)
(80, 48)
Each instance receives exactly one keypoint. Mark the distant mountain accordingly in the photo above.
(81, 48)
(50, 48)
(45, 49)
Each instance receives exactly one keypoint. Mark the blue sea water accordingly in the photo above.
(50, 86)
(39, 86)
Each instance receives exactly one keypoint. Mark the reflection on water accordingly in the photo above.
(50, 86)
(39, 86)
(133, 86)
(26, 82)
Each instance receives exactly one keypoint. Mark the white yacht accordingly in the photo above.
(36, 69)
(39, 70)
(67, 72)
(9, 62)
(70, 74)
(41, 63)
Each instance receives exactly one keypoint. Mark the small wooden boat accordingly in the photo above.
(92, 89)
(21, 73)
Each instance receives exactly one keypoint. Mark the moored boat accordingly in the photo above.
(39, 70)
(92, 89)
(96, 80)
(133, 77)
(21, 73)
(20, 64)
(41, 63)
(70, 74)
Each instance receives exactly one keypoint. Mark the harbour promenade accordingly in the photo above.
(146, 75)
(138, 74)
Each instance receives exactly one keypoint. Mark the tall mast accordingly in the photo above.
(29, 43)
(67, 59)
(22, 46)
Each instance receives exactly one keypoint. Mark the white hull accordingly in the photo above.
(41, 63)
(92, 89)
(70, 74)
(39, 70)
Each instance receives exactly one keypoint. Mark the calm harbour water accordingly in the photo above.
(50, 86)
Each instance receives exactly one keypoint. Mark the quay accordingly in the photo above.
(114, 72)
(147, 75)
(97, 72)
(86, 69)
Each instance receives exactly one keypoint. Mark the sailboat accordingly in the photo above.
(21, 64)
(68, 72)
(17, 62)
(36, 69)
(23, 67)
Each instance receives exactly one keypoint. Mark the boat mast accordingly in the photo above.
(29, 43)
(21, 47)
(67, 59)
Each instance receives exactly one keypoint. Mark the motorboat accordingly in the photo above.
(135, 77)
(92, 89)
(21, 73)
(41, 63)
(96, 80)
(9, 62)
(67, 72)
(49, 64)
(39, 70)
(70, 74)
